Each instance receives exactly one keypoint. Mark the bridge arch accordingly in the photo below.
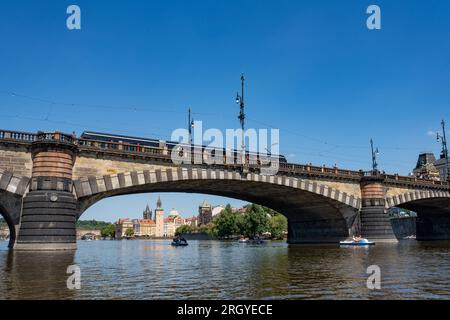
(416, 195)
(12, 189)
(433, 212)
(315, 211)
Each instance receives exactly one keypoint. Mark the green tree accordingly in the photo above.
(129, 232)
(108, 231)
(226, 223)
(91, 224)
(183, 229)
(209, 229)
(255, 221)
(278, 226)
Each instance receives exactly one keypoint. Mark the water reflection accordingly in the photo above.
(35, 275)
(227, 270)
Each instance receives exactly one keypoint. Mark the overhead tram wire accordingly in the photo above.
(84, 126)
(84, 105)
(53, 102)
(140, 109)
(318, 154)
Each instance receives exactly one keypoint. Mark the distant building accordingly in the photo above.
(239, 210)
(172, 222)
(217, 210)
(440, 165)
(147, 214)
(204, 213)
(144, 228)
(161, 226)
(193, 221)
(159, 219)
(121, 227)
(428, 167)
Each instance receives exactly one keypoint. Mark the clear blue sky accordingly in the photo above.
(313, 70)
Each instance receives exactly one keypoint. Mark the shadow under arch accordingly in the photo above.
(10, 207)
(433, 217)
(312, 217)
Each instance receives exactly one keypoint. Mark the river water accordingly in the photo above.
(152, 269)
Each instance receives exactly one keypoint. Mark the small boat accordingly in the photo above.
(179, 243)
(360, 242)
(252, 241)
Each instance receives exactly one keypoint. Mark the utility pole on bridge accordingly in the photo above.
(374, 157)
(190, 125)
(444, 154)
(241, 117)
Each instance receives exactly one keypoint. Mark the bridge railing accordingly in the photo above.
(17, 136)
(56, 136)
(299, 168)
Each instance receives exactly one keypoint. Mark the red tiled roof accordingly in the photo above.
(146, 221)
(172, 219)
(121, 221)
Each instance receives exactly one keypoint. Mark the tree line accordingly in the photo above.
(254, 222)
(107, 229)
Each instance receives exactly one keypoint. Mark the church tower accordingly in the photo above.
(147, 214)
(159, 219)
(204, 213)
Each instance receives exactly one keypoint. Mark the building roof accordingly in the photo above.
(173, 219)
(174, 213)
(239, 210)
(146, 221)
(424, 159)
(122, 221)
(440, 162)
(205, 204)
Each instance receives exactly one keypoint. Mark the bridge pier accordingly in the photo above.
(50, 209)
(375, 223)
(318, 231)
(433, 227)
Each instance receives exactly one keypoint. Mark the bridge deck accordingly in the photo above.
(160, 155)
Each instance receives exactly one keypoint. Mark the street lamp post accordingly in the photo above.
(241, 117)
(443, 140)
(374, 157)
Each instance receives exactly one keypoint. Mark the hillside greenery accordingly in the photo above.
(91, 224)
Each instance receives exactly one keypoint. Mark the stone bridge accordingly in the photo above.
(47, 181)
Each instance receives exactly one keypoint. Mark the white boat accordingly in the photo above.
(360, 242)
